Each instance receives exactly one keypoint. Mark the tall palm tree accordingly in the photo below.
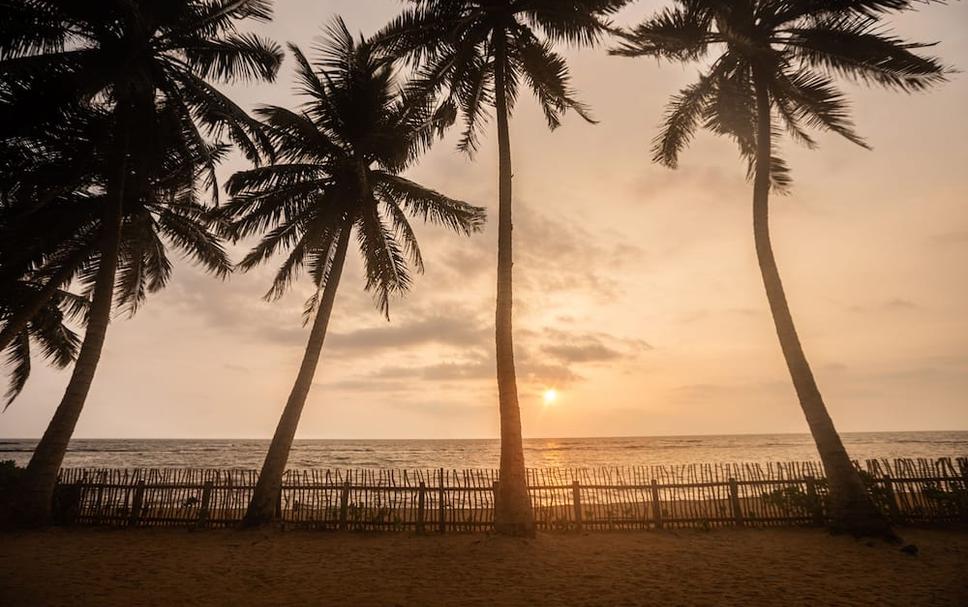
(774, 74)
(474, 54)
(339, 164)
(143, 67)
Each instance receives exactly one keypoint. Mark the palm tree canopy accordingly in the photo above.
(44, 240)
(58, 56)
(71, 72)
(795, 48)
(47, 329)
(92, 90)
(454, 43)
(57, 243)
(338, 164)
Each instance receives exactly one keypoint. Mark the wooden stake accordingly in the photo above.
(734, 502)
(816, 507)
(203, 511)
(576, 496)
(344, 505)
(441, 503)
(134, 517)
(421, 505)
(892, 508)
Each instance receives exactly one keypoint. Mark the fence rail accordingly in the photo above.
(909, 491)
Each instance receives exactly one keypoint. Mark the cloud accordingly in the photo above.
(460, 327)
(895, 304)
(551, 357)
(580, 353)
(900, 304)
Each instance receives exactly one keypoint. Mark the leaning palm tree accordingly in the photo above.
(774, 75)
(474, 54)
(339, 164)
(144, 66)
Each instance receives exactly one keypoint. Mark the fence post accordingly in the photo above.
(656, 505)
(278, 510)
(441, 503)
(893, 511)
(734, 502)
(495, 495)
(421, 505)
(576, 495)
(203, 511)
(134, 517)
(77, 500)
(344, 506)
(816, 508)
(963, 465)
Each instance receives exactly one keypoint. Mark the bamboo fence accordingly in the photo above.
(909, 491)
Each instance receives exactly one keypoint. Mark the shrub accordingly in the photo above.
(10, 473)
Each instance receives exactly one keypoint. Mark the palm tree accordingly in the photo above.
(143, 68)
(475, 54)
(774, 75)
(339, 164)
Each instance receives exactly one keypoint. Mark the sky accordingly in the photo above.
(637, 293)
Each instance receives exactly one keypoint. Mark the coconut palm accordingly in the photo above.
(338, 170)
(144, 67)
(773, 73)
(475, 54)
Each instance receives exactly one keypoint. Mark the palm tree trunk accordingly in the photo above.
(262, 506)
(19, 319)
(850, 506)
(33, 501)
(512, 508)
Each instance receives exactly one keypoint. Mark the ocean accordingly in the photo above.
(484, 453)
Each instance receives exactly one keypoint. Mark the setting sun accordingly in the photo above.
(550, 396)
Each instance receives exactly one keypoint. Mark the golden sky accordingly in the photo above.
(637, 292)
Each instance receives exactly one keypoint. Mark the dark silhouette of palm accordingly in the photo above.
(475, 54)
(339, 160)
(139, 70)
(45, 331)
(774, 74)
(41, 176)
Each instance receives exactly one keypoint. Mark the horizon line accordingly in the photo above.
(267, 438)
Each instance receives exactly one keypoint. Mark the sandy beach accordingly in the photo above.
(723, 567)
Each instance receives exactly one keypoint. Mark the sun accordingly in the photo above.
(550, 396)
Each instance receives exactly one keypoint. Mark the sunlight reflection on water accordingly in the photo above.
(556, 452)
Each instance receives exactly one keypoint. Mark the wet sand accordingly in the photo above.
(723, 567)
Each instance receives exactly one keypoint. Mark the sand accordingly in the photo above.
(722, 567)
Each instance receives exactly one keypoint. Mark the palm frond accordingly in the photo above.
(858, 48)
(681, 33)
(428, 204)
